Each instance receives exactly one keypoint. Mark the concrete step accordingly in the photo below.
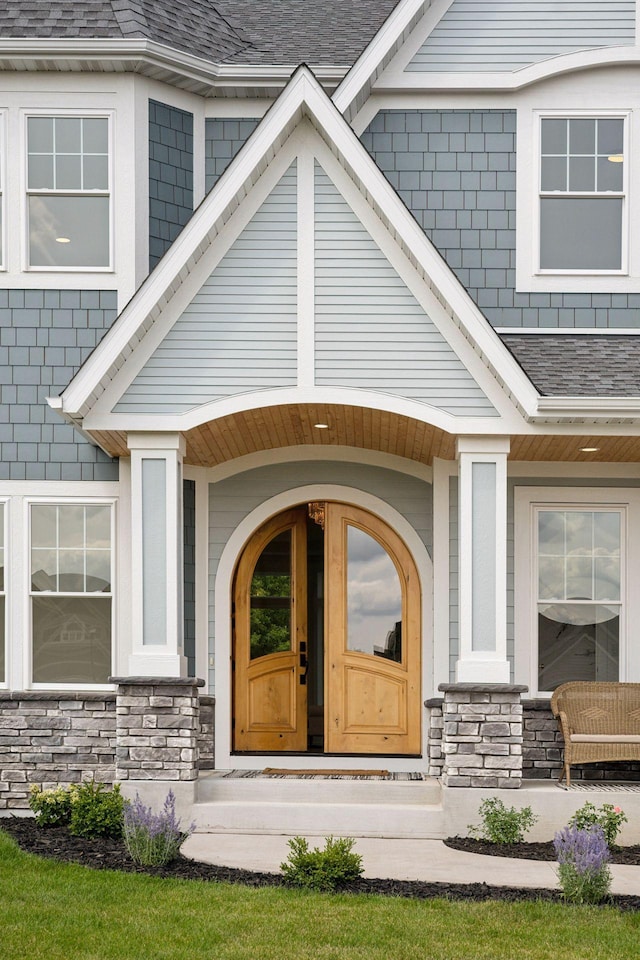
(319, 807)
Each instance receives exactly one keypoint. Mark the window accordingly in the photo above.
(3, 666)
(579, 594)
(1, 190)
(575, 605)
(71, 592)
(68, 192)
(582, 194)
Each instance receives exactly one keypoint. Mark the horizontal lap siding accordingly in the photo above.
(509, 34)
(239, 332)
(371, 333)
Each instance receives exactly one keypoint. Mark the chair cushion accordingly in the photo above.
(605, 738)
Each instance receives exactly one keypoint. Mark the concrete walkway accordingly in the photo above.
(428, 860)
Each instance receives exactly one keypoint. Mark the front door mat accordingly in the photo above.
(349, 774)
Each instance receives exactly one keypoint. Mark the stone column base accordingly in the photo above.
(157, 727)
(482, 735)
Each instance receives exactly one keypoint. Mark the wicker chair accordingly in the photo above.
(599, 722)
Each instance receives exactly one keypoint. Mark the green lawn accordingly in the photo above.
(65, 912)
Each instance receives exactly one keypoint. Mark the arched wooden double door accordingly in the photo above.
(326, 627)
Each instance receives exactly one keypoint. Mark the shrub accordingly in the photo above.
(150, 838)
(96, 812)
(51, 807)
(583, 856)
(500, 824)
(608, 817)
(327, 869)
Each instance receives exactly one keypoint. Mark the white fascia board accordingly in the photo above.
(302, 96)
(381, 47)
(412, 81)
(62, 54)
(592, 408)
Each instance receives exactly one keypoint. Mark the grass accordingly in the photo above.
(63, 911)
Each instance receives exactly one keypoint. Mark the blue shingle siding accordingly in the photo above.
(45, 335)
(189, 566)
(456, 171)
(223, 140)
(170, 176)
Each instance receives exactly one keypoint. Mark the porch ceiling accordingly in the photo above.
(292, 425)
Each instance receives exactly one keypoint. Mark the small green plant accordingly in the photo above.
(96, 812)
(328, 869)
(153, 838)
(500, 824)
(51, 807)
(608, 817)
(583, 857)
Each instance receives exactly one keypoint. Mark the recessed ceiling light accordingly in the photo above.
(589, 449)
(63, 240)
(321, 426)
(616, 158)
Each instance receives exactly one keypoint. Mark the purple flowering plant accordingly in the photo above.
(583, 856)
(153, 838)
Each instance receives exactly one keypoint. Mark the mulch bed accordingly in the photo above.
(56, 843)
(532, 851)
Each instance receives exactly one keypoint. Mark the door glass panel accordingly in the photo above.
(270, 602)
(374, 598)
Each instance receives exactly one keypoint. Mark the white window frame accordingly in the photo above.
(78, 113)
(29, 593)
(530, 277)
(3, 175)
(6, 591)
(528, 501)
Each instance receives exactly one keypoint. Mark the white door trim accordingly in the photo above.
(222, 616)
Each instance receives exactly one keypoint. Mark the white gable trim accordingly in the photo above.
(303, 96)
(398, 26)
(396, 80)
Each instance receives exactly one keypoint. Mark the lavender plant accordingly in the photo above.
(153, 839)
(583, 857)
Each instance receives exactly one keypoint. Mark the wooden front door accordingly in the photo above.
(270, 633)
(372, 637)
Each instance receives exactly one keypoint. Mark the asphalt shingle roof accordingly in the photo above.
(587, 365)
(287, 32)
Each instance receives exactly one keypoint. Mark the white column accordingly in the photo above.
(157, 616)
(482, 541)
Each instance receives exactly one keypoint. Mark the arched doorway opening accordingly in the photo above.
(326, 636)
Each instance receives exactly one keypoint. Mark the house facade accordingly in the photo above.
(320, 398)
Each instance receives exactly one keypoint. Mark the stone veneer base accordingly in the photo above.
(52, 738)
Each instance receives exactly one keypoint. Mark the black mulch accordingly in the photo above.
(533, 851)
(103, 854)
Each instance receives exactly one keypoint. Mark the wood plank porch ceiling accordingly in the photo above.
(291, 425)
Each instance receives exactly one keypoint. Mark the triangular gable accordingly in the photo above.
(239, 332)
(302, 116)
(371, 332)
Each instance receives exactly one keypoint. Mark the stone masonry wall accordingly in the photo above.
(542, 747)
(158, 722)
(481, 742)
(54, 739)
